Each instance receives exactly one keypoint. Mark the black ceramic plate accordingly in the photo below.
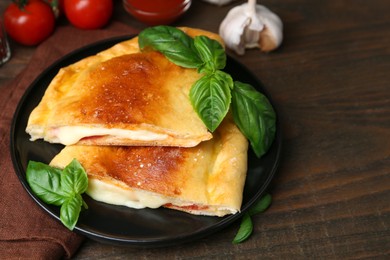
(122, 225)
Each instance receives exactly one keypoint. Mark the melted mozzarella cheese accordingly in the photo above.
(112, 194)
(134, 198)
(68, 135)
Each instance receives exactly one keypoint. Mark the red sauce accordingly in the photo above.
(155, 12)
(189, 207)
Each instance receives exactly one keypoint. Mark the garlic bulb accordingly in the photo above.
(251, 26)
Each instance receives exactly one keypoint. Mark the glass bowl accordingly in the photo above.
(156, 12)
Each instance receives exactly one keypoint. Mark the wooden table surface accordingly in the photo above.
(330, 83)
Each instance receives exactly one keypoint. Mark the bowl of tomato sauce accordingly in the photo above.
(156, 12)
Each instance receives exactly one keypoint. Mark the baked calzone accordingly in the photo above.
(121, 96)
(206, 180)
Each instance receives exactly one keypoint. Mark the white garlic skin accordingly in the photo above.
(248, 27)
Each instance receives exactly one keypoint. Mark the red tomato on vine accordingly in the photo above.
(29, 22)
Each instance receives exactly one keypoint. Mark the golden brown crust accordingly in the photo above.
(122, 88)
(130, 82)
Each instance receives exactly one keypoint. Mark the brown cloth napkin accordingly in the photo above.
(26, 230)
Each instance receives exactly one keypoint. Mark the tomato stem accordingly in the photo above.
(55, 6)
(20, 3)
(54, 3)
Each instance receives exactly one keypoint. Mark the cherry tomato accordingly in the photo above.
(88, 14)
(29, 22)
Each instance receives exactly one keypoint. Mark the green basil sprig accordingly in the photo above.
(60, 188)
(246, 226)
(214, 93)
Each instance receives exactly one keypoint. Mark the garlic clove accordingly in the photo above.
(272, 35)
(251, 26)
(233, 27)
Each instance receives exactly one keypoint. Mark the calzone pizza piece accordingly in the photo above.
(121, 96)
(205, 180)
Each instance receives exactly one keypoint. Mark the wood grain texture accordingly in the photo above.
(330, 84)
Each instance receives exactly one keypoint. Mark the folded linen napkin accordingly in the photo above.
(26, 230)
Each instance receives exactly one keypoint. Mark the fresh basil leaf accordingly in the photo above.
(45, 182)
(261, 205)
(224, 77)
(254, 116)
(70, 211)
(74, 179)
(246, 226)
(245, 230)
(210, 96)
(212, 54)
(60, 187)
(176, 45)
